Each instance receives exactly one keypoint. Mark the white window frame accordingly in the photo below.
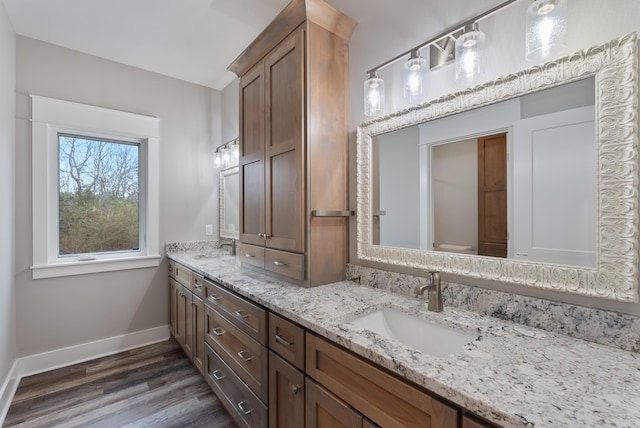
(51, 117)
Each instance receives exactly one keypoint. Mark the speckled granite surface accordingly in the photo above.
(512, 375)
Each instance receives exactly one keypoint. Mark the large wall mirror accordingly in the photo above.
(229, 203)
(531, 179)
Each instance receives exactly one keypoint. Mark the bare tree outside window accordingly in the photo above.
(99, 198)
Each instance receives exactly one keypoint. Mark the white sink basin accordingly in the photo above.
(424, 336)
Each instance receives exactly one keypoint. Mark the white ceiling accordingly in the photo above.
(195, 40)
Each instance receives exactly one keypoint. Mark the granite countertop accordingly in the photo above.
(512, 375)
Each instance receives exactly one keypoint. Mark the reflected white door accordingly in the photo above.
(554, 188)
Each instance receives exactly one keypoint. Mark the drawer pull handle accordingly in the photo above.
(214, 297)
(278, 263)
(239, 314)
(295, 389)
(242, 409)
(197, 286)
(281, 341)
(249, 256)
(246, 359)
(218, 331)
(216, 376)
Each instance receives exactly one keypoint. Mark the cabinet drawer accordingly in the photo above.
(182, 275)
(247, 316)
(469, 421)
(243, 354)
(287, 340)
(172, 268)
(384, 399)
(197, 284)
(284, 263)
(251, 254)
(247, 409)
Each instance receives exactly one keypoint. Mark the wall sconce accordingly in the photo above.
(415, 78)
(469, 55)
(546, 29)
(227, 154)
(373, 95)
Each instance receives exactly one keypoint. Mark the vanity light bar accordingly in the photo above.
(227, 154)
(446, 33)
(545, 34)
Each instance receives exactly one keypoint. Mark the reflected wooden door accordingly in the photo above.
(492, 195)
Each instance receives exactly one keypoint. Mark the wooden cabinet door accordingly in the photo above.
(173, 307)
(284, 135)
(197, 324)
(180, 332)
(286, 394)
(252, 118)
(325, 410)
(186, 299)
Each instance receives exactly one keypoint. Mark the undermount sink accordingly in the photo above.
(421, 335)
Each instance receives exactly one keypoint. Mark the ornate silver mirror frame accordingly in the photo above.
(614, 66)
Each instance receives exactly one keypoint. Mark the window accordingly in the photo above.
(95, 193)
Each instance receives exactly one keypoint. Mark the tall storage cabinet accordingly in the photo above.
(294, 145)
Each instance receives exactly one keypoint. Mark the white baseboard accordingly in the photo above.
(9, 387)
(38, 363)
(63, 357)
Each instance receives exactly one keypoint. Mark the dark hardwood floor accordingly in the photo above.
(153, 386)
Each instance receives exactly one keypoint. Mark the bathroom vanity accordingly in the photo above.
(508, 375)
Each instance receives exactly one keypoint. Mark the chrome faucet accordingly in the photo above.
(435, 292)
(232, 246)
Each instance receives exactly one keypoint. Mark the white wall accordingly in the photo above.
(230, 111)
(7, 197)
(375, 40)
(61, 312)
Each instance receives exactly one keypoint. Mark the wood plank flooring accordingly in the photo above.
(152, 386)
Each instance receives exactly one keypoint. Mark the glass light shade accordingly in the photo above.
(470, 57)
(546, 29)
(226, 157)
(217, 159)
(235, 153)
(415, 79)
(373, 95)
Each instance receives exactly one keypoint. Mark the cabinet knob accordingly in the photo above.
(295, 389)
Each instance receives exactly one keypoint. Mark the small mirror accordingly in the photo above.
(229, 203)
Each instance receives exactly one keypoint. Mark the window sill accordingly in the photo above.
(93, 266)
